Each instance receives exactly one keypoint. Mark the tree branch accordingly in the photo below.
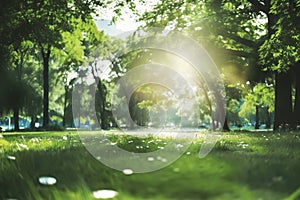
(239, 39)
(238, 53)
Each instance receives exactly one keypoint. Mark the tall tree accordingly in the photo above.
(47, 20)
(280, 53)
(20, 55)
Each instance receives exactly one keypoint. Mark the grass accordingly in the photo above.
(241, 166)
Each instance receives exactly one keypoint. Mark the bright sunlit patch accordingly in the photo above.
(47, 180)
(22, 146)
(127, 171)
(233, 71)
(11, 157)
(105, 194)
(176, 169)
(150, 159)
(35, 140)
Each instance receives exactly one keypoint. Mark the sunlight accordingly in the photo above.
(11, 157)
(127, 171)
(105, 194)
(150, 159)
(47, 180)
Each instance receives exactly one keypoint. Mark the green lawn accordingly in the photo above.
(241, 166)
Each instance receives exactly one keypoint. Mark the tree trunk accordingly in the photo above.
(296, 112)
(46, 58)
(256, 117)
(268, 122)
(213, 125)
(101, 103)
(225, 125)
(16, 118)
(32, 122)
(283, 101)
(17, 104)
(65, 105)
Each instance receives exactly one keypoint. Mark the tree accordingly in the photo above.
(67, 63)
(46, 22)
(261, 96)
(21, 57)
(280, 53)
(99, 49)
(234, 96)
(9, 88)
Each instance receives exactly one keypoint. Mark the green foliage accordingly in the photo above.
(278, 56)
(262, 95)
(3, 144)
(281, 50)
(233, 108)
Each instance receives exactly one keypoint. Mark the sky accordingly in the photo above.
(127, 21)
(110, 29)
